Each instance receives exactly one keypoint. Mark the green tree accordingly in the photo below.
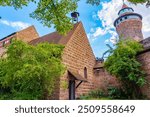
(124, 65)
(140, 1)
(30, 72)
(50, 12)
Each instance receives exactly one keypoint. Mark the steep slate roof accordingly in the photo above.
(55, 37)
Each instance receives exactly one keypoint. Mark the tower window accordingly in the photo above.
(85, 72)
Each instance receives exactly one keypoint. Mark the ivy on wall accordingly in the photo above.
(124, 65)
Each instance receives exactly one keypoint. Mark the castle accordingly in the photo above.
(84, 72)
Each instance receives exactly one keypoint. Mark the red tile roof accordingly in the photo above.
(124, 6)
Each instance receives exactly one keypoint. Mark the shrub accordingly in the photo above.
(95, 94)
(116, 93)
(124, 65)
(30, 72)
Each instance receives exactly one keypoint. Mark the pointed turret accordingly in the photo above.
(125, 10)
(129, 24)
(124, 6)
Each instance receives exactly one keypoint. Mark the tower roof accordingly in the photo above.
(124, 6)
(125, 9)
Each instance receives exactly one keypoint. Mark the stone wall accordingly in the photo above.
(130, 29)
(103, 80)
(27, 34)
(78, 55)
(144, 58)
(7, 40)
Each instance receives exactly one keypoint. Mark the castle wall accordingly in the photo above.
(78, 55)
(144, 59)
(103, 80)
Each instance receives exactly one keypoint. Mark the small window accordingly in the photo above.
(125, 18)
(7, 41)
(3, 43)
(11, 40)
(121, 19)
(85, 72)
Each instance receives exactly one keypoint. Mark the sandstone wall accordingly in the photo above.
(130, 29)
(103, 80)
(144, 58)
(78, 55)
(27, 34)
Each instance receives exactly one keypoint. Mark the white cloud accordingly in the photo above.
(92, 30)
(99, 32)
(18, 25)
(95, 16)
(107, 41)
(109, 13)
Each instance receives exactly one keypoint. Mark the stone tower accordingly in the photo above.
(129, 24)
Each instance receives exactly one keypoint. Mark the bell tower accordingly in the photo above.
(129, 24)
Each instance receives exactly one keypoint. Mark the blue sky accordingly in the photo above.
(97, 21)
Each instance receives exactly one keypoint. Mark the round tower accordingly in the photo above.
(129, 24)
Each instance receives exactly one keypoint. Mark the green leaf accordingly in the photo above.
(28, 71)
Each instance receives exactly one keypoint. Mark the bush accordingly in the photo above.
(116, 93)
(30, 72)
(95, 94)
(124, 65)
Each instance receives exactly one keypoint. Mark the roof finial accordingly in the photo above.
(123, 1)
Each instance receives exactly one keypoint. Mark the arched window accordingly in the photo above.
(85, 72)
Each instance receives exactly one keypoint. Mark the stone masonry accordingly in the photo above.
(144, 59)
(25, 35)
(130, 29)
(77, 55)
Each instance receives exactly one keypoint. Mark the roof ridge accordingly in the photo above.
(72, 31)
(55, 37)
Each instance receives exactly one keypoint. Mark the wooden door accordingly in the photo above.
(72, 90)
